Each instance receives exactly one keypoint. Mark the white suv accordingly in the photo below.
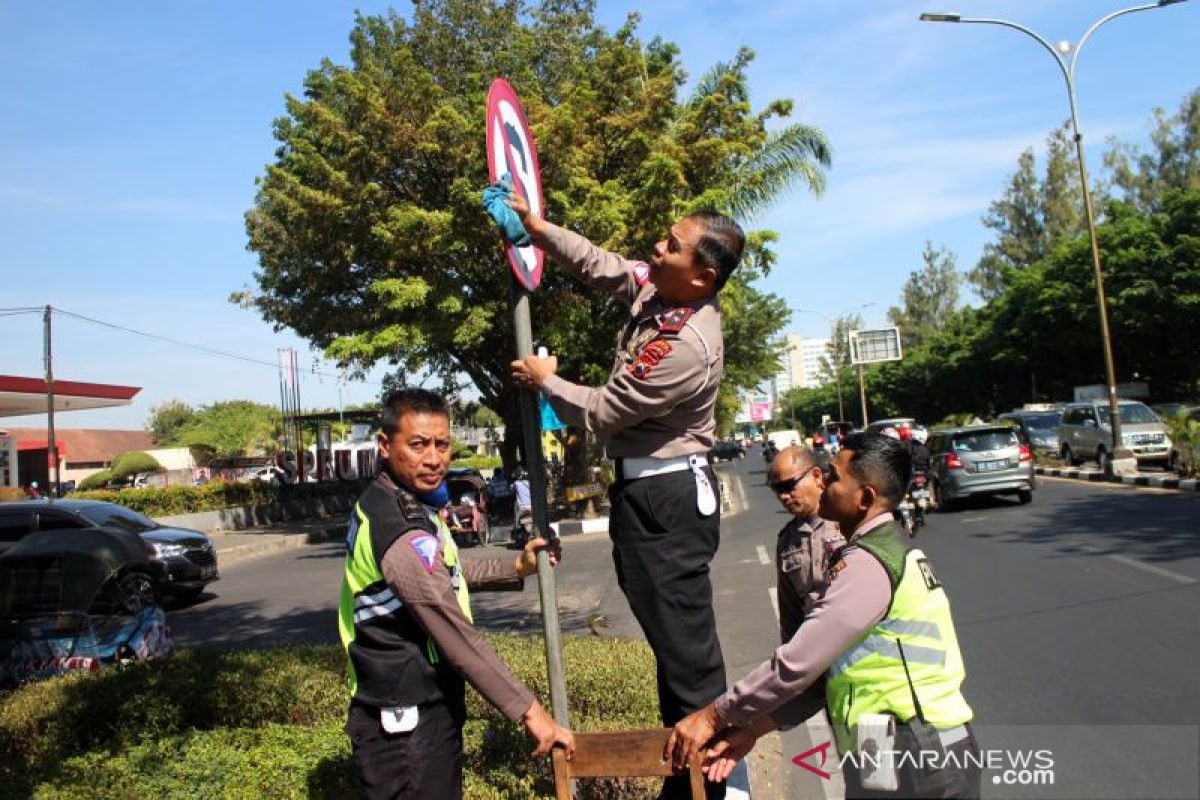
(1085, 433)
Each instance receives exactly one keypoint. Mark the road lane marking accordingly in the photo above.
(974, 519)
(763, 558)
(819, 731)
(1142, 565)
(738, 785)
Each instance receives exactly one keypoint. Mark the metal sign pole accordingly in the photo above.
(531, 429)
(862, 395)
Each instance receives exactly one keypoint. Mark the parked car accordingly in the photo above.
(727, 450)
(1038, 429)
(186, 558)
(268, 474)
(77, 600)
(979, 460)
(1168, 410)
(879, 425)
(1085, 433)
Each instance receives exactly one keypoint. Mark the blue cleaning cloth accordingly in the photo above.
(550, 420)
(505, 218)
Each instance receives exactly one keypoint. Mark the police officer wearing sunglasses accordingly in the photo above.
(804, 546)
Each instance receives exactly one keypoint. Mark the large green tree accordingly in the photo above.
(929, 296)
(167, 419)
(1032, 216)
(1173, 161)
(232, 428)
(367, 226)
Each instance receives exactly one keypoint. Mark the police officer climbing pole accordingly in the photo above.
(512, 157)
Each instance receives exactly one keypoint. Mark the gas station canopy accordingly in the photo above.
(20, 396)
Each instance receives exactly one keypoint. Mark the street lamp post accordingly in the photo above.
(837, 367)
(1119, 451)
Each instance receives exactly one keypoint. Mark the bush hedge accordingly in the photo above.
(477, 462)
(160, 501)
(269, 724)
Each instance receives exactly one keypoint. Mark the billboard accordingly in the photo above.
(760, 412)
(875, 346)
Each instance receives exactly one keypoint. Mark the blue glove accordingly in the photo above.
(505, 218)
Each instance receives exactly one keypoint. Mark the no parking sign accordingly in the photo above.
(510, 150)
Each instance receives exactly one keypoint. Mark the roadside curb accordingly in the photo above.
(569, 527)
(1094, 475)
(273, 542)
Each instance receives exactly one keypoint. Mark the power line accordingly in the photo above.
(180, 343)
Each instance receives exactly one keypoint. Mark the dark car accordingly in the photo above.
(1038, 429)
(187, 558)
(79, 599)
(727, 450)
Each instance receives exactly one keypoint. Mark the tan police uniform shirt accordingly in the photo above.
(802, 554)
(430, 598)
(855, 594)
(661, 394)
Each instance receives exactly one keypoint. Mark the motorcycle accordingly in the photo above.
(522, 527)
(915, 505)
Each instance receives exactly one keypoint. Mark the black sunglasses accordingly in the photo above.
(786, 486)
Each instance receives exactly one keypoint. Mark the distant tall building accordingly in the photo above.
(801, 363)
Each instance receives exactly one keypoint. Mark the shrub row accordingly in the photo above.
(477, 462)
(268, 724)
(159, 501)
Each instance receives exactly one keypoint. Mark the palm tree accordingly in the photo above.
(785, 156)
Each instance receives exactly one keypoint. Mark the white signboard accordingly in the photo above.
(875, 346)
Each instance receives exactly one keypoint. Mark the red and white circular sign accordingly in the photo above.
(510, 150)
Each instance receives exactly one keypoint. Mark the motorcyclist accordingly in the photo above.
(920, 453)
(914, 441)
(522, 507)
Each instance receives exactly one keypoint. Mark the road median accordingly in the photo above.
(1096, 476)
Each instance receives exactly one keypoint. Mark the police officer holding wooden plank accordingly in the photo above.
(655, 417)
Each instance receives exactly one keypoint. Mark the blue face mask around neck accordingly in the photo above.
(438, 498)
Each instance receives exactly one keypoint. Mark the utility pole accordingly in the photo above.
(862, 395)
(51, 440)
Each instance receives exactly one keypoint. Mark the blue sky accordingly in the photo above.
(132, 134)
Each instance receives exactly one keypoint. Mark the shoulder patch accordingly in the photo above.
(674, 320)
(411, 507)
(654, 352)
(836, 567)
(426, 548)
(641, 273)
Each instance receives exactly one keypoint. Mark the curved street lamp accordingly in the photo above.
(1119, 450)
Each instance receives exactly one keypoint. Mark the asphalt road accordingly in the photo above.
(1077, 616)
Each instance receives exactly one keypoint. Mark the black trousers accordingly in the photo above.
(422, 764)
(662, 548)
(959, 781)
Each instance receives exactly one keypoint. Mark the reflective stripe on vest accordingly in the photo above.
(869, 677)
(362, 571)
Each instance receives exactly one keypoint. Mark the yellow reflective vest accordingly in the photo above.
(869, 678)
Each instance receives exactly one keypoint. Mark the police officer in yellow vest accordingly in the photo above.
(405, 619)
(882, 634)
